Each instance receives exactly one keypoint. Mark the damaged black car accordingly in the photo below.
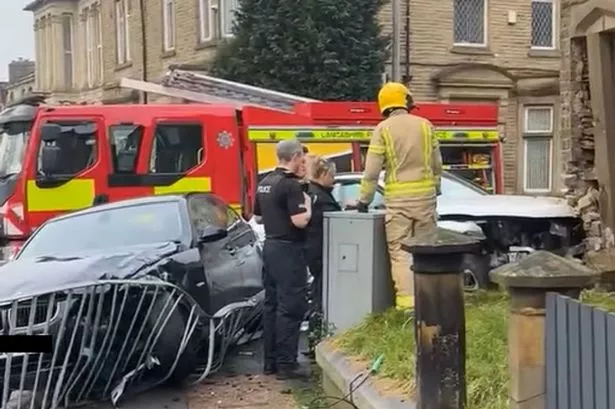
(134, 293)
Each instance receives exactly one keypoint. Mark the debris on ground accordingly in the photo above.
(229, 391)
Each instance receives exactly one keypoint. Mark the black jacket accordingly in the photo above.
(322, 201)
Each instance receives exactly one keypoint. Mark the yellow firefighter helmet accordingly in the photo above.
(393, 95)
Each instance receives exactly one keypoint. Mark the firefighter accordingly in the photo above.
(285, 210)
(404, 145)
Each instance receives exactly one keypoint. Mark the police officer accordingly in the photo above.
(321, 174)
(405, 146)
(285, 210)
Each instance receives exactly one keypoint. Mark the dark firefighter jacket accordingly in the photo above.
(322, 201)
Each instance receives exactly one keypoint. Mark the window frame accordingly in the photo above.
(553, 26)
(533, 135)
(71, 122)
(226, 31)
(485, 28)
(122, 32)
(151, 157)
(68, 60)
(167, 32)
(113, 152)
(205, 6)
(89, 52)
(100, 58)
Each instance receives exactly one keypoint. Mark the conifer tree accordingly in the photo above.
(321, 49)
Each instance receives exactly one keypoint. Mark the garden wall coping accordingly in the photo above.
(337, 367)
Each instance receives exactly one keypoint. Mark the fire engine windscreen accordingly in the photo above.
(13, 140)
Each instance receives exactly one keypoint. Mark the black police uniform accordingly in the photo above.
(322, 201)
(280, 196)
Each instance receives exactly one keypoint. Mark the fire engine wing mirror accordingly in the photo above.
(211, 234)
(50, 159)
(50, 132)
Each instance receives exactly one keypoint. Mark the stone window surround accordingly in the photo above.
(554, 102)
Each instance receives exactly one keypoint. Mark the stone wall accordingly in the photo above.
(580, 179)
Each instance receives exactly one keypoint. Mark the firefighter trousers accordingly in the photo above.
(285, 282)
(403, 219)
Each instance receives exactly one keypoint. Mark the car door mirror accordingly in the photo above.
(50, 159)
(211, 234)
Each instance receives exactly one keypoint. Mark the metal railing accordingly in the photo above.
(111, 337)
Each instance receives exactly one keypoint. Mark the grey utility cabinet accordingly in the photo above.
(356, 272)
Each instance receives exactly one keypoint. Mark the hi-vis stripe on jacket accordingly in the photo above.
(404, 145)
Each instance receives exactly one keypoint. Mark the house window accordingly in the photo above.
(469, 19)
(122, 31)
(168, 22)
(98, 69)
(538, 149)
(543, 24)
(205, 20)
(229, 8)
(67, 46)
(89, 52)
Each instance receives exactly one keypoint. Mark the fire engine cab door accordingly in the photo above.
(166, 156)
(66, 175)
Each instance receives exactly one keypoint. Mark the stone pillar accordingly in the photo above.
(528, 282)
(440, 317)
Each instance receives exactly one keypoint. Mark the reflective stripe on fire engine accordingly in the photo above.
(185, 185)
(474, 135)
(73, 195)
(349, 134)
(236, 207)
(333, 134)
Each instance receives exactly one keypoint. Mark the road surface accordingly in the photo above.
(239, 385)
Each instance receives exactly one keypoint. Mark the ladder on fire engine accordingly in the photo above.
(196, 86)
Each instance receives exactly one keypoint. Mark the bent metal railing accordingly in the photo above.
(111, 337)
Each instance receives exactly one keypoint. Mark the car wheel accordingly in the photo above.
(475, 270)
(170, 339)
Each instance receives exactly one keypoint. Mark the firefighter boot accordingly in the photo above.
(404, 302)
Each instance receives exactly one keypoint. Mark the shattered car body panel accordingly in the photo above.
(127, 319)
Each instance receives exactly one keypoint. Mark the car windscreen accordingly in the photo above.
(107, 229)
(452, 188)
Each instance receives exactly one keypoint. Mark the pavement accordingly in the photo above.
(238, 385)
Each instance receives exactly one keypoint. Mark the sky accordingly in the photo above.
(16, 34)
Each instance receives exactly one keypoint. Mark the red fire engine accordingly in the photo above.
(56, 159)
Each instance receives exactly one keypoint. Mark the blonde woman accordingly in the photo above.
(321, 175)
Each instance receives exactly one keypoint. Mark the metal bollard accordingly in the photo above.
(440, 317)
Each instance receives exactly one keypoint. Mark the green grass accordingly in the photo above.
(392, 333)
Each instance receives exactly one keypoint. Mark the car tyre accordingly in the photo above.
(170, 338)
(475, 270)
